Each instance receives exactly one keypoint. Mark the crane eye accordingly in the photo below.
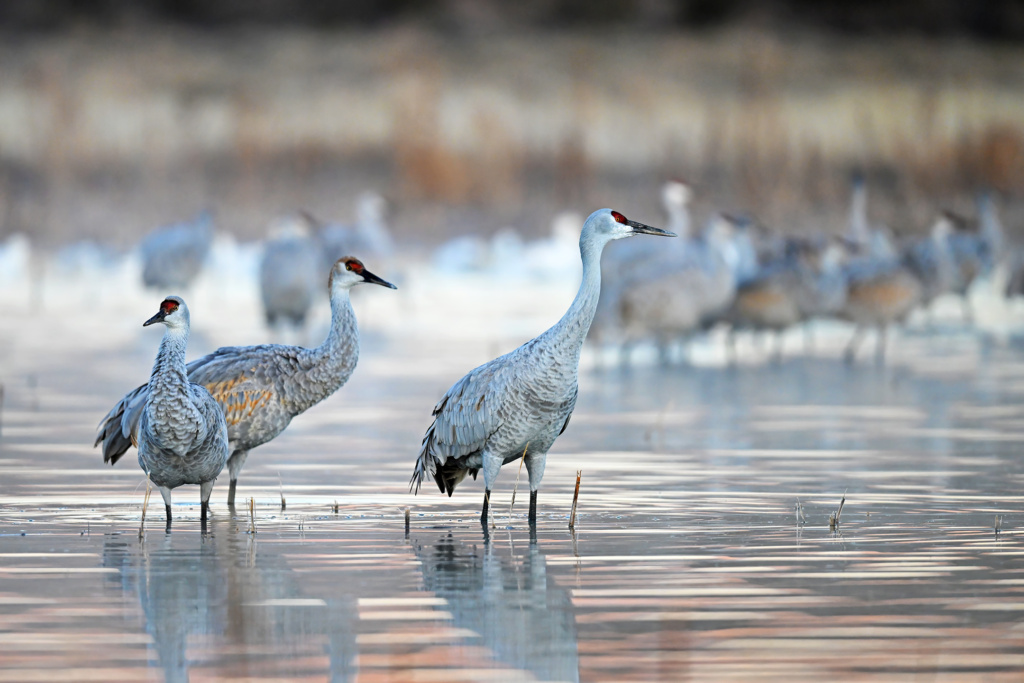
(168, 306)
(348, 266)
(619, 218)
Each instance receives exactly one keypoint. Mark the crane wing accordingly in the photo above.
(465, 417)
(118, 430)
(242, 379)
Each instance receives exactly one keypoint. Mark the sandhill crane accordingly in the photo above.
(640, 261)
(880, 290)
(173, 255)
(181, 433)
(804, 283)
(518, 404)
(289, 272)
(976, 247)
(261, 388)
(931, 261)
(690, 292)
(879, 293)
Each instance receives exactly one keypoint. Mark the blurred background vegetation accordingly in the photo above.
(469, 116)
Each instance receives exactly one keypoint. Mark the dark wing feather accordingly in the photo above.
(465, 417)
(118, 429)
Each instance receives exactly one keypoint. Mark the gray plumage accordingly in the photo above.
(181, 434)
(931, 261)
(369, 235)
(172, 256)
(880, 289)
(690, 291)
(261, 388)
(638, 263)
(290, 273)
(520, 402)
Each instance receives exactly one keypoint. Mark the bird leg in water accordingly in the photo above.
(880, 344)
(533, 509)
(235, 463)
(851, 349)
(777, 354)
(483, 514)
(967, 308)
(205, 490)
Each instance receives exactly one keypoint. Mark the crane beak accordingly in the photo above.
(641, 229)
(374, 280)
(158, 318)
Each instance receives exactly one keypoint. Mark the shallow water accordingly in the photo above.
(687, 563)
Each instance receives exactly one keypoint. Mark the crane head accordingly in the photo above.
(173, 313)
(605, 225)
(349, 271)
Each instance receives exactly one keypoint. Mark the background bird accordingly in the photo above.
(261, 388)
(518, 404)
(181, 435)
(172, 256)
(369, 235)
(290, 272)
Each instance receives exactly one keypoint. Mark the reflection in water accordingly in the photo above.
(507, 597)
(220, 600)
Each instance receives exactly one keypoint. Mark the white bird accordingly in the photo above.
(518, 404)
(181, 435)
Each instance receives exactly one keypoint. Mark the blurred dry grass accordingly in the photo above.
(106, 135)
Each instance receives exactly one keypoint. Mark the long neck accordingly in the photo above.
(169, 372)
(569, 332)
(331, 364)
(679, 220)
(859, 227)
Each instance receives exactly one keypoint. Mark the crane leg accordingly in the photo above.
(883, 331)
(968, 309)
(483, 513)
(165, 493)
(777, 354)
(235, 463)
(535, 468)
(850, 354)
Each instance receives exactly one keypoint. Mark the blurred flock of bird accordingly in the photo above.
(728, 273)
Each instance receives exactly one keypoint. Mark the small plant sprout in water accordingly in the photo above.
(998, 524)
(252, 516)
(833, 519)
(799, 508)
(334, 508)
(407, 516)
(516, 486)
(145, 504)
(280, 485)
(575, 499)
